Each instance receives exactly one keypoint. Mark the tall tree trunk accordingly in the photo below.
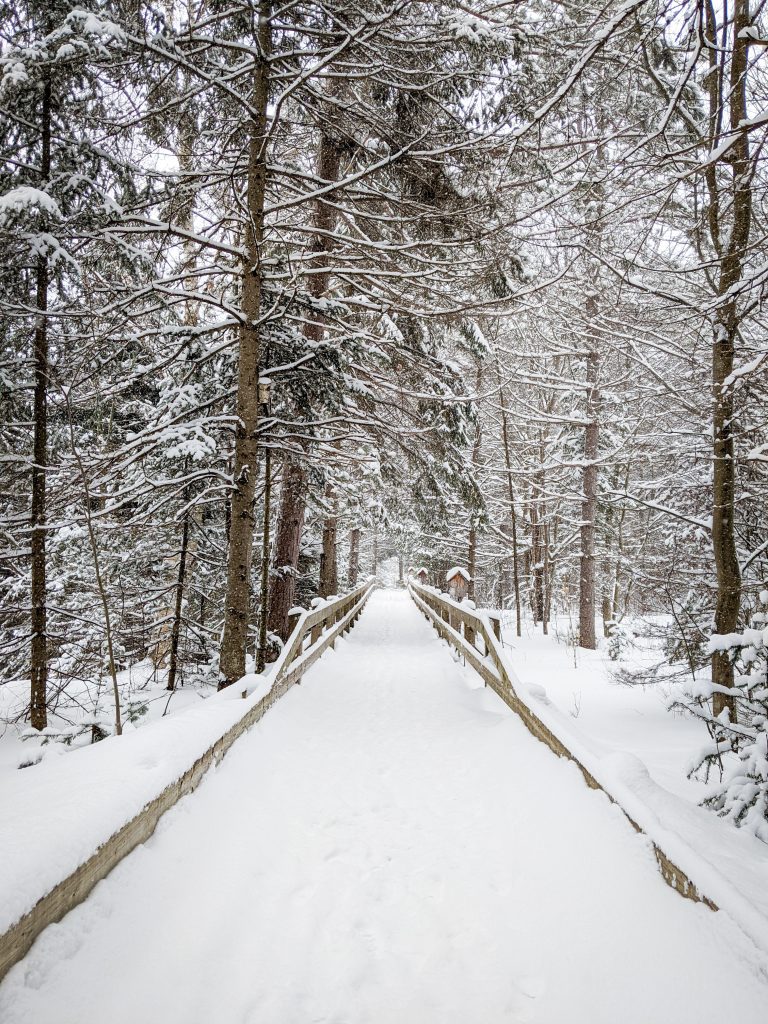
(165, 639)
(39, 615)
(354, 557)
(545, 573)
(329, 155)
(512, 507)
(607, 576)
(587, 573)
(472, 561)
(290, 524)
(537, 551)
(472, 552)
(261, 657)
(729, 224)
(173, 656)
(551, 543)
(237, 599)
(329, 576)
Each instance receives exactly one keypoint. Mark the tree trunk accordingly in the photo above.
(261, 657)
(329, 577)
(290, 523)
(237, 599)
(546, 580)
(173, 659)
(512, 509)
(354, 557)
(472, 552)
(607, 577)
(472, 562)
(39, 614)
(164, 644)
(551, 542)
(589, 502)
(283, 585)
(537, 555)
(729, 227)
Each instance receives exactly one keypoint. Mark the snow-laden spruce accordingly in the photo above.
(739, 747)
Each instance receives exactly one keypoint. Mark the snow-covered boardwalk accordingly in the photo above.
(389, 844)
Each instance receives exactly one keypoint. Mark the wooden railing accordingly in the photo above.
(313, 633)
(477, 636)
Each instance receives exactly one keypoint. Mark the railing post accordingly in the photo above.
(469, 634)
(293, 618)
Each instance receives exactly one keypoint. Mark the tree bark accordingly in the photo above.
(38, 595)
(290, 524)
(237, 600)
(329, 576)
(587, 574)
(729, 225)
(354, 557)
(173, 657)
(283, 585)
(546, 580)
(537, 551)
(511, 497)
(472, 561)
(261, 657)
(472, 551)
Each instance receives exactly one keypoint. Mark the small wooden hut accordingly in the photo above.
(457, 580)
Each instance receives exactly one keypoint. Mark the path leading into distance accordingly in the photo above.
(389, 845)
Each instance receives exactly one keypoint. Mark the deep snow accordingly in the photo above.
(389, 844)
(613, 716)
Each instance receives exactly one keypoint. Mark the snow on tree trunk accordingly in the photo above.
(730, 219)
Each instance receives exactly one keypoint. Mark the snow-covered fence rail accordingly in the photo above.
(48, 866)
(476, 636)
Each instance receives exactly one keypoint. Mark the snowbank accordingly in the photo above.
(728, 867)
(57, 813)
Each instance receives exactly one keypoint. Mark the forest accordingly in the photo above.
(297, 294)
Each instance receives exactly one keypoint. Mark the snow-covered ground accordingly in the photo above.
(389, 844)
(144, 699)
(612, 715)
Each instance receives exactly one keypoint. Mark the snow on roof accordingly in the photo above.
(421, 569)
(458, 571)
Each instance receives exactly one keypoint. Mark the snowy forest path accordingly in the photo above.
(389, 844)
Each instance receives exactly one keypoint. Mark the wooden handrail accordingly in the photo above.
(323, 625)
(463, 626)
